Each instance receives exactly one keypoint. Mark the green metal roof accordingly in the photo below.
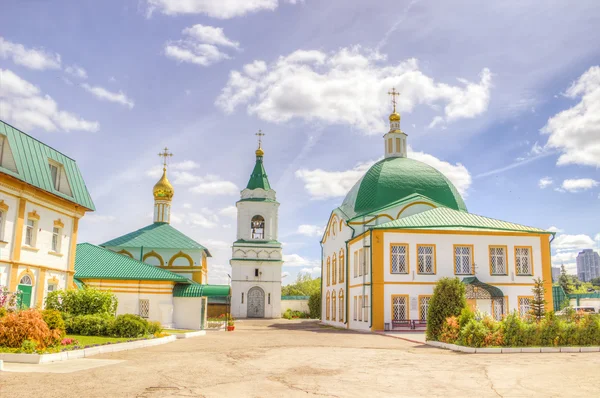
(31, 159)
(392, 179)
(156, 236)
(273, 243)
(258, 178)
(95, 262)
(448, 219)
(197, 290)
(492, 290)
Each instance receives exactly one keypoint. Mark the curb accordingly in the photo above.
(509, 350)
(188, 334)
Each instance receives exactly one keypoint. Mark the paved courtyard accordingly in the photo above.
(300, 358)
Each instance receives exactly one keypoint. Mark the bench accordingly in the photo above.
(419, 324)
(401, 324)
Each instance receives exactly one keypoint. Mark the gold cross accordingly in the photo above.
(394, 94)
(260, 135)
(165, 154)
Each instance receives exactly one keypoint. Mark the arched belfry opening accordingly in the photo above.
(257, 226)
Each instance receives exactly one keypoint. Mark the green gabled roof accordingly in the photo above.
(197, 290)
(95, 262)
(156, 236)
(492, 290)
(258, 178)
(450, 219)
(31, 159)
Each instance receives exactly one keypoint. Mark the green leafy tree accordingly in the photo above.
(88, 301)
(563, 280)
(538, 304)
(595, 282)
(305, 285)
(448, 300)
(314, 305)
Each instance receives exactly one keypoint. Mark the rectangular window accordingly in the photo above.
(498, 263)
(355, 312)
(463, 260)
(29, 232)
(144, 308)
(398, 149)
(523, 261)
(54, 173)
(242, 298)
(524, 305)
(367, 261)
(51, 287)
(365, 309)
(341, 308)
(426, 259)
(399, 253)
(356, 263)
(390, 145)
(360, 308)
(2, 226)
(423, 307)
(269, 298)
(499, 307)
(255, 271)
(342, 267)
(361, 262)
(56, 240)
(400, 308)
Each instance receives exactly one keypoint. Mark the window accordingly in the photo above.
(498, 261)
(341, 306)
(398, 149)
(327, 306)
(328, 269)
(30, 233)
(426, 259)
(361, 262)
(269, 298)
(524, 305)
(341, 266)
(59, 178)
(523, 261)
(463, 260)
(144, 308)
(242, 298)
(365, 309)
(256, 272)
(54, 175)
(354, 314)
(356, 263)
(2, 217)
(257, 227)
(51, 287)
(334, 270)
(499, 307)
(26, 280)
(333, 306)
(399, 253)
(6, 158)
(423, 307)
(56, 240)
(400, 308)
(390, 145)
(360, 308)
(367, 261)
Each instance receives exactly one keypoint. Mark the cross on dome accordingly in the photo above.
(165, 154)
(394, 94)
(259, 151)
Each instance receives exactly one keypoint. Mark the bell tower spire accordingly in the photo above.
(395, 139)
(163, 193)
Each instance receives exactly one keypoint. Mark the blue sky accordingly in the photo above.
(502, 98)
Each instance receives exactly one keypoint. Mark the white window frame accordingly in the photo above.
(56, 239)
(494, 257)
(356, 263)
(521, 258)
(397, 254)
(355, 313)
(459, 268)
(2, 219)
(361, 261)
(30, 232)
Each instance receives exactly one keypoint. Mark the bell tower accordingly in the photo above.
(256, 260)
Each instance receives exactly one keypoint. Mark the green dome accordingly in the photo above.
(392, 179)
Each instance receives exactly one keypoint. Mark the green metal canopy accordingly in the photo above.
(197, 290)
(493, 291)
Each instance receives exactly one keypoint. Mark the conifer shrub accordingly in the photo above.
(314, 305)
(129, 325)
(17, 327)
(448, 300)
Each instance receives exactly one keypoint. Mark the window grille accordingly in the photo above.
(29, 232)
(242, 298)
(426, 260)
(423, 307)
(334, 270)
(269, 298)
(463, 260)
(524, 306)
(333, 306)
(399, 259)
(400, 308)
(498, 260)
(26, 280)
(523, 260)
(342, 265)
(51, 287)
(144, 308)
(499, 308)
(366, 309)
(341, 306)
(360, 306)
(355, 313)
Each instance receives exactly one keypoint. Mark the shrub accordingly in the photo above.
(154, 327)
(291, 314)
(450, 330)
(129, 325)
(448, 300)
(17, 327)
(466, 314)
(87, 301)
(314, 305)
(28, 346)
(3, 312)
(473, 334)
(589, 330)
(54, 320)
(91, 325)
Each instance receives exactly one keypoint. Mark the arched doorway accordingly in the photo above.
(257, 225)
(25, 287)
(256, 303)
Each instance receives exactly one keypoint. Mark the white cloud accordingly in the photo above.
(229, 211)
(322, 184)
(555, 229)
(214, 245)
(98, 218)
(200, 46)
(76, 71)
(208, 184)
(579, 184)
(31, 58)
(104, 94)
(576, 131)
(200, 220)
(222, 9)
(310, 230)
(187, 205)
(23, 104)
(210, 35)
(314, 271)
(217, 274)
(572, 242)
(216, 187)
(346, 87)
(295, 260)
(545, 182)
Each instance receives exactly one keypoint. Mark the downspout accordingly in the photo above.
(552, 292)
(321, 243)
(348, 277)
(142, 253)
(371, 274)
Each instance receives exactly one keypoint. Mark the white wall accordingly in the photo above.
(161, 306)
(247, 210)
(294, 305)
(188, 312)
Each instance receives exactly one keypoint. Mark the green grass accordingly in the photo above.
(91, 340)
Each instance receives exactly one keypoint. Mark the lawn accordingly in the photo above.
(92, 340)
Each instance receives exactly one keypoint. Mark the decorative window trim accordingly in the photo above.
(52, 253)
(59, 224)
(328, 270)
(125, 253)
(33, 215)
(530, 260)
(327, 309)
(341, 306)
(365, 308)
(407, 255)
(334, 269)
(333, 306)
(361, 261)
(360, 308)
(407, 301)
(356, 263)
(26, 272)
(420, 305)
(342, 266)
(472, 258)
(355, 313)
(3, 206)
(179, 255)
(519, 303)
(490, 247)
(155, 255)
(434, 254)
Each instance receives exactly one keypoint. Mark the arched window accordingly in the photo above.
(328, 269)
(341, 306)
(334, 270)
(257, 226)
(333, 306)
(26, 280)
(342, 266)
(327, 307)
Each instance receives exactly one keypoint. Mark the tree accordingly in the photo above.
(448, 300)
(563, 280)
(538, 303)
(305, 285)
(595, 282)
(314, 305)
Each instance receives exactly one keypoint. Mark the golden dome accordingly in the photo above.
(395, 117)
(260, 152)
(163, 188)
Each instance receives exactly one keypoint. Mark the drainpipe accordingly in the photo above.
(371, 274)
(347, 296)
(142, 254)
(321, 243)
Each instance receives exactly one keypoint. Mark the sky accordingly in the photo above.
(502, 97)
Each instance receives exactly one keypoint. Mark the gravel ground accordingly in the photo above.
(279, 358)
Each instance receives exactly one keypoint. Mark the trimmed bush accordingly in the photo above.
(91, 325)
(54, 320)
(129, 325)
(154, 327)
(290, 314)
(87, 301)
(473, 334)
(448, 300)
(314, 305)
(16, 327)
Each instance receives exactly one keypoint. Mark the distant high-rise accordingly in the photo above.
(588, 265)
(555, 273)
